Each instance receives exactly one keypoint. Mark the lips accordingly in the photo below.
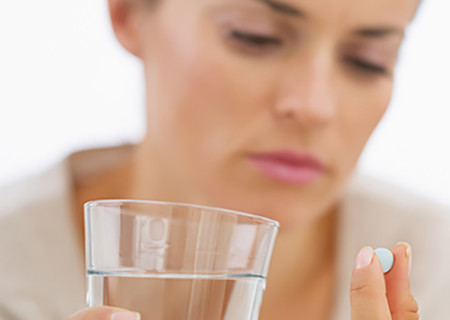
(288, 166)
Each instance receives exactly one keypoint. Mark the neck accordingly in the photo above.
(151, 180)
(302, 269)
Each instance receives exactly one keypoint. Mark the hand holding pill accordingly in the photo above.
(380, 288)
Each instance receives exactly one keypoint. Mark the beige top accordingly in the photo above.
(42, 266)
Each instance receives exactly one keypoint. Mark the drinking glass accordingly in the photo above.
(173, 261)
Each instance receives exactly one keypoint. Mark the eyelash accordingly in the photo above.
(367, 66)
(255, 40)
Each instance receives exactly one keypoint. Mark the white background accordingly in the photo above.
(65, 84)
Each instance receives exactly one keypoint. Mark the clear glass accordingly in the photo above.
(174, 261)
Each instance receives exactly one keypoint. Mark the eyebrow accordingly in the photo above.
(282, 8)
(379, 32)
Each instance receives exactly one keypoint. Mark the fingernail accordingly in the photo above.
(125, 315)
(408, 254)
(364, 257)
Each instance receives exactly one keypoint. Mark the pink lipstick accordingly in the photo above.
(288, 166)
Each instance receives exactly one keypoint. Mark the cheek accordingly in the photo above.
(358, 121)
(195, 102)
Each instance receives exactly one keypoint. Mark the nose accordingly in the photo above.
(306, 93)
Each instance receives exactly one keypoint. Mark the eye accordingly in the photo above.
(255, 40)
(367, 67)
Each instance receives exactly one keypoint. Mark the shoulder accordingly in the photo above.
(31, 214)
(57, 182)
(38, 248)
(36, 189)
(392, 207)
(383, 214)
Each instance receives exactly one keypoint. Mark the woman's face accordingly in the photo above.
(265, 106)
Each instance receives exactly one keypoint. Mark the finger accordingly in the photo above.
(402, 304)
(368, 289)
(105, 313)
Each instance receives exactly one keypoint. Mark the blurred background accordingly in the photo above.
(66, 84)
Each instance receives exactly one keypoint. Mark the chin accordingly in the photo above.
(288, 214)
(292, 207)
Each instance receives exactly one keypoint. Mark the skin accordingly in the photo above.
(317, 82)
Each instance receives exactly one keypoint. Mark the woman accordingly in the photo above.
(264, 106)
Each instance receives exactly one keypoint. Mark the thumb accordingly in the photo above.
(104, 313)
(368, 288)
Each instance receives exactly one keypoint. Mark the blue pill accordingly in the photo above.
(386, 258)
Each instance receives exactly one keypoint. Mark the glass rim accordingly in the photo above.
(93, 203)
